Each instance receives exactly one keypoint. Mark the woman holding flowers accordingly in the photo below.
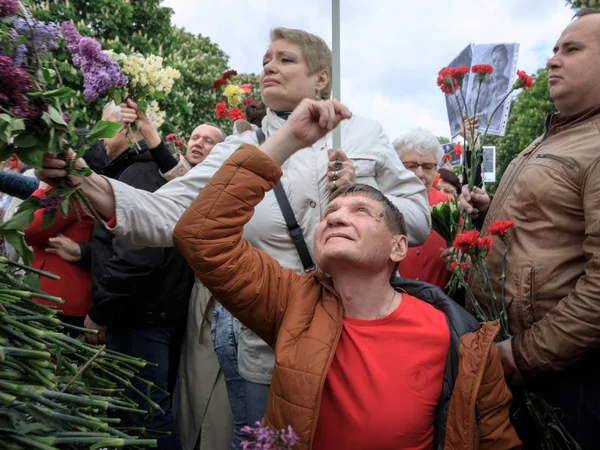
(296, 66)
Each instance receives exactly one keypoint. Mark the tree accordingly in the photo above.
(576, 4)
(140, 26)
(526, 122)
(443, 140)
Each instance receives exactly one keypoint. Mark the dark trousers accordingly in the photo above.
(153, 345)
(577, 394)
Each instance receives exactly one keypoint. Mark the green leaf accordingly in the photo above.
(25, 140)
(103, 129)
(64, 206)
(48, 74)
(142, 105)
(5, 151)
(32, 156)
(17, 125)
(62, 92)
(16, 238)
(117, 98)
(82, 172)
(20, 221)
(33, 281)
(6, 118)
(48, 220)
(57, 118)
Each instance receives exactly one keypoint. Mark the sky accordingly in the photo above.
(391, 50)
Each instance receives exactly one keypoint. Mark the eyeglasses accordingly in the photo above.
(427, 167)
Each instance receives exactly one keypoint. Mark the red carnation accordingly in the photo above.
(524, 81)
(171, 137)
(466, 241)
(436, 179)
(179, 143)
(221, 109)
(458, 149)
(447, 157)
(249, 101)
(246, 87)
(500, 227)
(485, 243)
(236, 114)
(228, 74)
(446, 81)
(463, 266)
(482, 69)
(459, 73)
(218, 83)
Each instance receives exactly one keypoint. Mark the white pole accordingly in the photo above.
(335, 76)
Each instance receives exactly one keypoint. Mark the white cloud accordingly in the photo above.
(391, 50)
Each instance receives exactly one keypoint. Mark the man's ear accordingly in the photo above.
(399, 248)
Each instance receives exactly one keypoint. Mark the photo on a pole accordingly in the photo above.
(488, 164)
(503, 58)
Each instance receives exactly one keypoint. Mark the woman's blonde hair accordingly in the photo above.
(315, 50)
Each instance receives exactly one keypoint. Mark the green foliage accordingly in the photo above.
(139, 26)
(576, 4)
(525, 123)
(443, 140)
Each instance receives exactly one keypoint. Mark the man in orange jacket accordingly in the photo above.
(360, 362)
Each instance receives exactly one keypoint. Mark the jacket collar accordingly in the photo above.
(557, 123)
(114, 168)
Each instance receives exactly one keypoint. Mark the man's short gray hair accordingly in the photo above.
(421, 141)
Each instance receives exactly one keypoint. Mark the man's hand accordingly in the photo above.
(511, 372)
(64, 247)
(96, 339)
(469, 129)
(310, 121)
(477, 198)
(142, 122)
(340, 170)
(53, 168)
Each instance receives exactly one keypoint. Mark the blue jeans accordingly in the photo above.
(256, 400)
(152, 345)
(225, 331)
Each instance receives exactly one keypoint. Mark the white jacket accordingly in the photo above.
(149, 218)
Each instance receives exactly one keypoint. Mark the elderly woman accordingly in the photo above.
(421, 153)
(297, 65)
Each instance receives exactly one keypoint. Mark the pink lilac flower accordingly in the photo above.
(99, 71)
(8, 8)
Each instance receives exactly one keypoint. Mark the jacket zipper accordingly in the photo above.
(566, 162)
(322, 383)
(476, 431)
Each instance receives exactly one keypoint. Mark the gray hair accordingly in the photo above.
(421, 141)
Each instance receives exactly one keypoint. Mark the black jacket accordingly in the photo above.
(133, 286)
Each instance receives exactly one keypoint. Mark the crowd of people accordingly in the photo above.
(268, 275)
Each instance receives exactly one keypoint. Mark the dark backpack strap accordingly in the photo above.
(294, 229)
(260, 135)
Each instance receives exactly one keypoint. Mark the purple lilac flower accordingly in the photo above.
(8, 8)
(41, 38)
(49, 204)
(99, 71)
(264, 438)
(67, 117)
(15, 82)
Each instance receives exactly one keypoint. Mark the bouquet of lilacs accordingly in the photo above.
(32, 119)
(236, 95)
(135, 76)
(470, 248)
(261, 437)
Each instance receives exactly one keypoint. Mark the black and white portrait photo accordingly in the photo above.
(503, 59)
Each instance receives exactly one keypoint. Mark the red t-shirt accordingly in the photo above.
(424, 263)
(385, 381)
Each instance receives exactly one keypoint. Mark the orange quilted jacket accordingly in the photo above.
(301, 317)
